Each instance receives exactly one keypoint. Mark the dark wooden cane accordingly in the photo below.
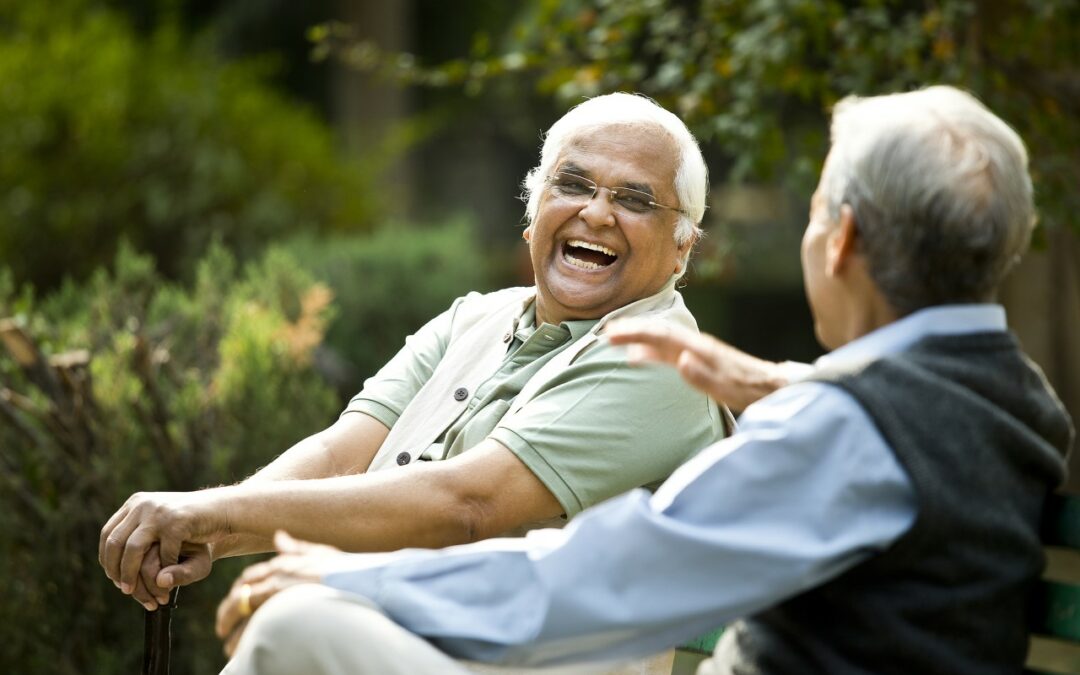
(157, 640)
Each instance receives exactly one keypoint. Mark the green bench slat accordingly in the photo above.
(702, 644)
(1057, 611)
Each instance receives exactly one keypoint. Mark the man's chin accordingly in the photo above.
(583, 306)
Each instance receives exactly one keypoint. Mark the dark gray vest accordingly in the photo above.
(983, 439)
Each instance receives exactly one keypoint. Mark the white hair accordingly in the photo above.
(691, 175)
(940, 192)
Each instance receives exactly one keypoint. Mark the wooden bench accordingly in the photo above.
(1055, 608)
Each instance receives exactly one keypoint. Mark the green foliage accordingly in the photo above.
(146, 384)
(106, 135)
(756, 77)
(387, 285)
(177, 388)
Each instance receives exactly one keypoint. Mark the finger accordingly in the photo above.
(665, 340)
(170, 549)
(132, 556)
(638, 353)
(195, 567)
(115, 545)
(142, 595)
(284, 543)
(233, 638)
(107, 529)
(148, 573)
(229, 612)
(700, 375)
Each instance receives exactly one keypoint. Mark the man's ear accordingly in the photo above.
(684, 252)
(843, 242)
(526, 234)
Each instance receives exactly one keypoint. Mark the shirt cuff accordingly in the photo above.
(539, 466)
(371, 408)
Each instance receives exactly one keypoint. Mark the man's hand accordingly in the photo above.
(727, 375)
(299, 563)
(158, 540)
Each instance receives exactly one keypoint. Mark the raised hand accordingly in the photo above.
(727, 375)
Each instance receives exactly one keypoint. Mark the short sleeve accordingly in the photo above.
(386, 394)
(603, 427)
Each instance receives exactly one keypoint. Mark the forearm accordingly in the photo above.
(345, 448)
(367, 512)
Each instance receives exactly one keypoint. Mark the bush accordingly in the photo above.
(133, 383)
(386, 285)
(106, 135)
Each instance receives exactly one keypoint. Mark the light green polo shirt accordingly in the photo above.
(599, 428)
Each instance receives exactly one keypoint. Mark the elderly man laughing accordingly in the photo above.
(503, 412)
(880, 516)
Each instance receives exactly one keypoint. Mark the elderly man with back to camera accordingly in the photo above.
(505, 411)
(878, 516)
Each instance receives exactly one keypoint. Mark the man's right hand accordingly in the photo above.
(726, 374)
(155, 582)
(159, 540)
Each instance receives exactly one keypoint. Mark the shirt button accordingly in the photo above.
(461, 393)
(403, 459)
(507, 336)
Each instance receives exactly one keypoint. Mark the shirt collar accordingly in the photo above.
(526, 323)
(902, 333)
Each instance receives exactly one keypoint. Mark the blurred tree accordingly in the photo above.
(105, 135)
(756, 77)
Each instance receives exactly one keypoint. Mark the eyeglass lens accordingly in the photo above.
(578, 188)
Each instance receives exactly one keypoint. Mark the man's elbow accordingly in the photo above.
(467, 515)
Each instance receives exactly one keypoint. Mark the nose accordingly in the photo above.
(599, 211)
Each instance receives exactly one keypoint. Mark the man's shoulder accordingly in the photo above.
(473, 307)
(483, 302)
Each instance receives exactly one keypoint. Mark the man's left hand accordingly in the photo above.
(299, 562)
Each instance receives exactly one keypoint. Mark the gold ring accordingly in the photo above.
(245, 601)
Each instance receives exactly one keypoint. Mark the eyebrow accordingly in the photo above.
(576, 170)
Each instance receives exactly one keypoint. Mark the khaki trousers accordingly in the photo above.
(310, 629)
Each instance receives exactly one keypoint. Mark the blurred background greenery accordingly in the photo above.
(217, 217)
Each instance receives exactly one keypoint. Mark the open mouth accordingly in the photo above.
(588, 256)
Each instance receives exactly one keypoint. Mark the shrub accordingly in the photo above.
(386, 285)
(134, 383)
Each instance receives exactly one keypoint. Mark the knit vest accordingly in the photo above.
(982, 438)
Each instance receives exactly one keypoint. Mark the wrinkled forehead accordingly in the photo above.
(624, 152)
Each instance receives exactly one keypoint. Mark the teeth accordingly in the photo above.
(583, 264)
(593, 247)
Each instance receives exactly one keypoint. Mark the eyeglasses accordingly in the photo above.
(578, 189)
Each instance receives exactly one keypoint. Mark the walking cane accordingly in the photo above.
(157, 639)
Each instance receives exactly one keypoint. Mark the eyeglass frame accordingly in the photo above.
(613, 193)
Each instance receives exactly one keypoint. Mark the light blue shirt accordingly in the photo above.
(805, 490)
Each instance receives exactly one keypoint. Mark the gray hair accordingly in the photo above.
(940, 192)
(691, 175)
